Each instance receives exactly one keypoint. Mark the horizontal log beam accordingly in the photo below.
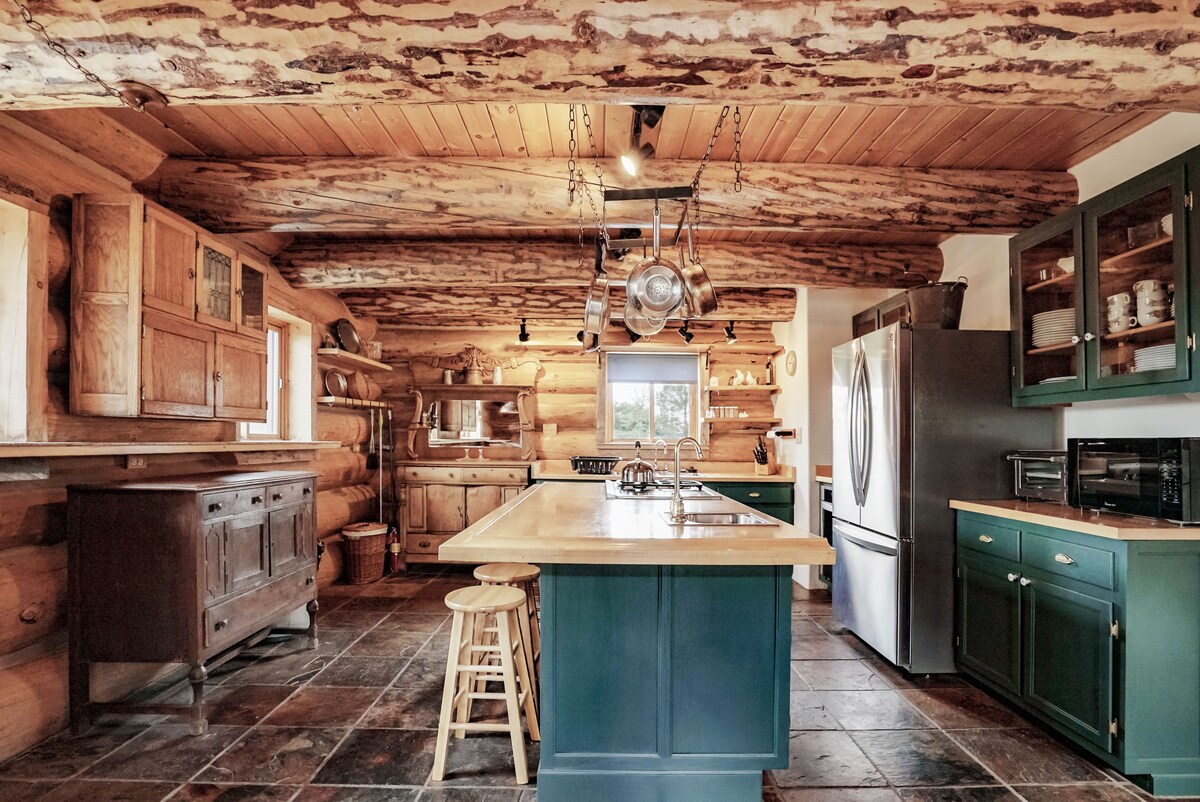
(478, 264)
(1108, 55)
(391, 194)
(434, 306)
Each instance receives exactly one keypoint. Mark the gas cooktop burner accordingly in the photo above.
(661, 488)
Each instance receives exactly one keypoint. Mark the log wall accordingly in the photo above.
(33, 701)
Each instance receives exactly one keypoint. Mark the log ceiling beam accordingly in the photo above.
(393, 194)
(1110, 56)
(390, 307)
(478, 264)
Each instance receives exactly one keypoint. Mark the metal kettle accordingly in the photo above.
(638, 472)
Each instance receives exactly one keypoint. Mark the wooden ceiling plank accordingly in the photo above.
(296, 134)
(372, 129)
(449, 121)
(935, 125)
(848, 121)
(672, 130)
(877, 122)
(994, 149)
(963, 123)
(1039, 141)
(699, 132)
(395, 125)
(901, 130)
(723, 149)
(507, 125)
(784, 132)
(618, 125)
(479, 127)
(421, 120)
(253, 118)
(100, 138)
(1103, 134)
(337, 120)
(233, 120)
(558, 121)
(202, 121)
(759, 122)
(535, 129)
(996, 121)
(154, 130)
(810, 134)
(315, 126)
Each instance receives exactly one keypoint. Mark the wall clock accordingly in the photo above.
(790, 363)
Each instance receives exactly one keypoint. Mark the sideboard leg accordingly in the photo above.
(312, 607)
(197, 677)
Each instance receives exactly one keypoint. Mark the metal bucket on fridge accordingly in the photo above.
(936, 305)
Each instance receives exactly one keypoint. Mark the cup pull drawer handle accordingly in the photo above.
(755, 495)
(985, 539)
(256, 499)
(1065, 559)
(277, 496)
(424, 544)
(216, 507)
(306, 491)
(224, 622)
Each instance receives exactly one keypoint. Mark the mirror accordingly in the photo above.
(473, 423)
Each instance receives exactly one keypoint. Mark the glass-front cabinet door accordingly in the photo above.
(1137, 265)
(252, 298)
(1048, 314)
(216, 277)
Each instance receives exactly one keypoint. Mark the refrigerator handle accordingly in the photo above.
(868, 431)
(856, 427)
(852, 425)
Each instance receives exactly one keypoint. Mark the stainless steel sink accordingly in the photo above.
(721, 519)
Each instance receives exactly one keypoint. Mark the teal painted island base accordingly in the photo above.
(663, 683)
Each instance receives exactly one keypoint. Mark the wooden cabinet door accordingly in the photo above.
(177, 367)
(989, 620)
(246, 551)
(509, 492)
(1069, 659)
(214, 561)
(169, 264)
(241, 378)
(414, 508)
(288, 535)
(251, 295)
(216, 283)
(481, 500)
(445, 508)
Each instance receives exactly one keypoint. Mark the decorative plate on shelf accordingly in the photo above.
(347, 336)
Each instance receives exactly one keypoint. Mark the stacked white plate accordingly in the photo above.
(1057, 380)
(1052, 328)
(1157, 357)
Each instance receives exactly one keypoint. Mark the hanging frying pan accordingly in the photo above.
(639, 323)
(596, 308)
(701, 296)
(656, 287)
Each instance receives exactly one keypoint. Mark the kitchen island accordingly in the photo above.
(665, 649)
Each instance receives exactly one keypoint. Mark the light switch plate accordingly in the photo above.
(550, 429)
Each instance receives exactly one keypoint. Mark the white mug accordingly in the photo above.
(1150, 287)
(1150, 316)
(1120, 298)
(1121, 323)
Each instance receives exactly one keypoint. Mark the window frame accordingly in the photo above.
(604, 401)
(298, 372)
(280, 392)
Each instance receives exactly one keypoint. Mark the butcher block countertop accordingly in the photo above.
(548, 470)
(1087, 522)
(576, 523)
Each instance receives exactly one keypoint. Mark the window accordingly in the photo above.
(275, 427)
(649, 396)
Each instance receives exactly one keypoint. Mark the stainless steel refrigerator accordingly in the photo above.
(921, 416)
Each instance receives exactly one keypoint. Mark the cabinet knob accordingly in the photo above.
(755, 495)
(1026, 581)
(217, 375)
(1074, 339)
(424, 544)
(309, 580)
(985, 539)
(191, 272)
(256, 499)
(224, 622)
(277, 496)
(306, 491)
(1088, 337)
(1013, 577)
(216, 507)
(1064, 559)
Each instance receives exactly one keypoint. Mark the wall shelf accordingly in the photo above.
(338, 356)
(1154, 331)
(746, 388)
(1059, 348)
(733, 423)
(474, 389)
(352, 403)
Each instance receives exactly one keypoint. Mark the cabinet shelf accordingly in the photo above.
(1058, 348)
(352, 403)
(758, 423)
(1114, 262)
(752, 388)
(1153, 331)
(474, 389)
(347, 358)
(1057, 281)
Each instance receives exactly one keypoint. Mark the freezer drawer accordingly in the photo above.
(866, 587)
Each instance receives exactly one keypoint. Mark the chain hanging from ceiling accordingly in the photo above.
(133, 94)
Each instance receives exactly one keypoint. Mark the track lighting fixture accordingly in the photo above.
(685, 334)
(579, 335)
(639, 152)
(633, 335)
(730, 337)
(523, 336)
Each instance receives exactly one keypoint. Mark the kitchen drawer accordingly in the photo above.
(232, 502)
(433, 475)
(425, 544)
(495, 476)
(757, 493)
(986, 537)
(229, 621)
(1060, 557)
(290, 493)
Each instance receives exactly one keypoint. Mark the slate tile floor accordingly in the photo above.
(355, 721)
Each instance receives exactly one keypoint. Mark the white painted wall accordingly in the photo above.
(984, 261)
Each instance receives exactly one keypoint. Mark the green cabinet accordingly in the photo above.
(1098, 638)
(777, 499)
(1104, 301)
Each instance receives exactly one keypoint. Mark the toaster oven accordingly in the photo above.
(1040, 475)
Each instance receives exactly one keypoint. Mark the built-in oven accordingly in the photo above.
(1158, 477)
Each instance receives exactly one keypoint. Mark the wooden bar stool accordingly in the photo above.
(473, 660)
(523, 576)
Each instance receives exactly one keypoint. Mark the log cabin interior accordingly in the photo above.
(324, 322)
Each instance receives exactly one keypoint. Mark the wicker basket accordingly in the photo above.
(365, 549)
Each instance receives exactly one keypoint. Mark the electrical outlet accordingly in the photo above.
(135, 461)
(549, 429)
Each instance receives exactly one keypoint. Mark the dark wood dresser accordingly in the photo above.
(185, 570)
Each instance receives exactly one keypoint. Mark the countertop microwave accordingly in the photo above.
(1158, 477)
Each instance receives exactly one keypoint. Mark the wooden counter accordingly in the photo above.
(1087, 522)
(574, 523)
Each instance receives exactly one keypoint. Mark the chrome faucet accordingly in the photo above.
(665, 448)
(677, 515)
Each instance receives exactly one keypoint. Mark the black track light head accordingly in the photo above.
(730, 337)
(685, 334)
(633, 335)
(523, 336)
